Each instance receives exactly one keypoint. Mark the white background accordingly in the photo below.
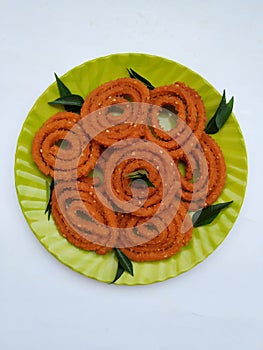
(216, 305)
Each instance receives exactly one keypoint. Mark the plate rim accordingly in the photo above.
(109, 56)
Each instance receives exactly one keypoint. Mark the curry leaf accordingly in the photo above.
(49, 207)
(221, 115)
(62, 88)
(119, 272)
(70, 100)
(140, 174)
(206, 215)
(66, 93)
(124, 261)
(137, 76)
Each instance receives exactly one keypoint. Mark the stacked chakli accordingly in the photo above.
(118, 133)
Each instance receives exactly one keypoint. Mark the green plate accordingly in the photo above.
(31, 185)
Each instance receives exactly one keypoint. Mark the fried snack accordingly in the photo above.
(78, 214)
(112, 123)
(216, 167)
(165, 244)
(132, 155)
(46, 142)
(112, 131)
(198, 121)
(205, 173)
(150, 198)
(187, 111)
(62, 147)
(117, 91)
(119, 133)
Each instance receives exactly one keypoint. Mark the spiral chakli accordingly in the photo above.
(203, 178)
(185, 108)
(216, 168)
(61, 147)
(166, 243)
(131, 155)
(149, 199)
(80, 217)
(115, 109)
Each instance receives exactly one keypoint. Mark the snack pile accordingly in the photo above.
(102, 159)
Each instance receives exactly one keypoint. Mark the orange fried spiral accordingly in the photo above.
(120, 110)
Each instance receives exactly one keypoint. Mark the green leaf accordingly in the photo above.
(225, 113)
(140, 174)
(71, 100)
(124, 261)
(221, 115)
(206, 215)
(63, 90)
(137, 76)
(49, 207)
(119, 272)
(137, 174)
